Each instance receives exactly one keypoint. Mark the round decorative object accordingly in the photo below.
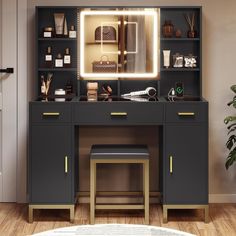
(113, 229)
(178, 33)
(167, 29)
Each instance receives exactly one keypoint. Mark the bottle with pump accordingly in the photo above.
(67, 58)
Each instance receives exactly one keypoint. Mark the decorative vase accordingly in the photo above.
(167, 29)
(192, 34)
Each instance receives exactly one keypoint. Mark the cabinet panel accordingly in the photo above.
(50, 182)
(187, 146)
(187, 112)
(118, 113)
(50, 112)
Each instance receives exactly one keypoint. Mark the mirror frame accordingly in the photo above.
(148, 12)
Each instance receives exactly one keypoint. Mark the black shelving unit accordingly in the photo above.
(45, 18)
(190, 77)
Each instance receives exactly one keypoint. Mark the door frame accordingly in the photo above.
(14, 101)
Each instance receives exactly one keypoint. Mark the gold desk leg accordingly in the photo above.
(30, 214)
(207, 214)
(72, 214)
(146, 191)
(165, 214)
(92, 190)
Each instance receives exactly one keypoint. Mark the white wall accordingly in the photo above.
(219, 50)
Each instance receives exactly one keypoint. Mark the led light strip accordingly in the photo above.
(120, 75)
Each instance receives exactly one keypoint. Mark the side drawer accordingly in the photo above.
(50, 112)
(119, 113)
(187, 112)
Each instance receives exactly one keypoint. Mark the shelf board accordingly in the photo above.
(179, 69)
(57, 69)
(57, 39)
(104, 42)
(180, 39)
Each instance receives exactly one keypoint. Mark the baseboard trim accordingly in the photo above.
(222, 198)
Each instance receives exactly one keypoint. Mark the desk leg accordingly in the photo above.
(146, 191)
(165, 214)
(30, 214)
(92, 190)
(72, 213)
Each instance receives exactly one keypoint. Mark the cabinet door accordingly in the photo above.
(50, 175)
(187, 146)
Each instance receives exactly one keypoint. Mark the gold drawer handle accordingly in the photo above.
(66, 164)
(51, 113)
(171, 164)
(119, 113)
(186, 113)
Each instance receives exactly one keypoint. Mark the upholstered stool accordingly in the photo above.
(119, 154)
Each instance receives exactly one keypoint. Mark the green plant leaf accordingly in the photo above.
(231, 141)
(230, 126)
(233, 88)
(231, 158)
(232, 102)
(229, 119)
(232, 130)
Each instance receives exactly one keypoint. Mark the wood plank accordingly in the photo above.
(13, 219)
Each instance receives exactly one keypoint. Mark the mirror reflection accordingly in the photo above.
(119, 43)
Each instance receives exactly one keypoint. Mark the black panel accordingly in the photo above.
(188, 184)
(49, 182)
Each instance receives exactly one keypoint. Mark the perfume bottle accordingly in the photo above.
(69, 87)
(59, 61)
(72, 32)
(48, 58)
(67, 58)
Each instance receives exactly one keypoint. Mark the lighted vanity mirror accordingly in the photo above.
(117, 43)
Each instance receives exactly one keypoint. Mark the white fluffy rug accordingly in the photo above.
(113, 229)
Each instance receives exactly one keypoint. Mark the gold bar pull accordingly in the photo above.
(51, 114)
(186, 113)
(119, 113)
(171, 164)
(66, 164)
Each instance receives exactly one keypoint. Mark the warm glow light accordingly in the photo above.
(119, 75)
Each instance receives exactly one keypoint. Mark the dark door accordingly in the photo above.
(187, 146)
(50, 164)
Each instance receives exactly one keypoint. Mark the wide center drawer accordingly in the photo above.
(50, 112)
(187, 112)
(120, 113)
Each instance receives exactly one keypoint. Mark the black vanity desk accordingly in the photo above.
(53, 159)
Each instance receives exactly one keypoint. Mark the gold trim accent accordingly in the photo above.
(171, 164)
(66, 164)
(117, 193)
(118, 207)
(186, 113)
(119, 113)
(32, 207)
(167, 207)
(51, 113)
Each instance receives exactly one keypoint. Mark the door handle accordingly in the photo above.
(186, 113)
(171, 164)
(7, 70)
(66, 164)
(119, 113)
(51, 113)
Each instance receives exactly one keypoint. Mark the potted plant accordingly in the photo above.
(231, 122)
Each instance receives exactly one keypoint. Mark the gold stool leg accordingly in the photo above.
(30, 214)
(92, 190)
(207, 214)
(146, 190)
(165, 214)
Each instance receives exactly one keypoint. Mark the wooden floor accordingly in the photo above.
(13, 219)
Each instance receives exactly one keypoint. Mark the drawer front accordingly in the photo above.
(118, 113)
(50, 112)
(187, 112)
